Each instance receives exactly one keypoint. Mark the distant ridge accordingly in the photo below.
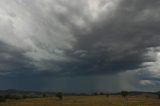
(49, 93)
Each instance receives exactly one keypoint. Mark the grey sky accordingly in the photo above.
(61, 43)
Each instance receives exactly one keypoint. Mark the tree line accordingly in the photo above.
(58, 95)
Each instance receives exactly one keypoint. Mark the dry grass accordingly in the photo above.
(86, 101)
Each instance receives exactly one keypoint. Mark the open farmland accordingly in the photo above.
(86, 101)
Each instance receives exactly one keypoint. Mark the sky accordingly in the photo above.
(80, 45)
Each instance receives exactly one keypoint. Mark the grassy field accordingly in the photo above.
(86, 101)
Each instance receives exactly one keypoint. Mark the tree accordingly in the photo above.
(101, 93)
(124, 93)
(44, 95)
(95, 94)
(24, 97)
(158, 95)
(59, 95)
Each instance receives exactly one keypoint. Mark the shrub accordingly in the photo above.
(44, 95)
(2, 99)
(59, 95)
(7, 96)
(159, 96)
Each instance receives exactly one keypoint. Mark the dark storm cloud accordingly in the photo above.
(12, 60)
(120, 43)
(80, 37)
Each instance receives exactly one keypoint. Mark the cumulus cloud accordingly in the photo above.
(147, 82)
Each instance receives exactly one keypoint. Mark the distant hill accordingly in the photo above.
(135, 93)
(22, 93)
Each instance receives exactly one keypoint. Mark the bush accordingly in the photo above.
(24, 96)
(44, 95)
(2, 99)
(158, 95)
(101, 93)
(15, 97)
(7, 96)
(59, 95)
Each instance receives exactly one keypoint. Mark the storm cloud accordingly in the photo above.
(63, 38)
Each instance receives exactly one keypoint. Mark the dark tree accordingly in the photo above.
(59, 95)
(158, 95)
(2, 99)
(124, 93)
(101, 93)
(24, 96)
(95, 94)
